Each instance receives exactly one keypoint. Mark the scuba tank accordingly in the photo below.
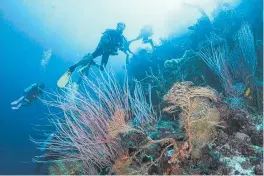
(27, 90)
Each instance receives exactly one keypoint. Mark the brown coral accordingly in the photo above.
(122, 165)
(197, 116)
(203, 121)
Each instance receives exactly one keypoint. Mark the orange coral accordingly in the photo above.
(121, 166)
(117, 124)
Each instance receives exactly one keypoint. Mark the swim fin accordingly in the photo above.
(64, 79)
(17, 101)
(84, 67)
(88, 65)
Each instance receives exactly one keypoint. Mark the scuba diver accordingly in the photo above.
(145, 33)
(111, 41)
(30, 95)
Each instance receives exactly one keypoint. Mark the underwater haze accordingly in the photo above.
(205, 52)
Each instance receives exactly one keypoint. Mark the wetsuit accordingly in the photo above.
(110, 42)
(31, 94)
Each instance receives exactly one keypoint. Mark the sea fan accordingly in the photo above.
(193, 104)
(88, 131)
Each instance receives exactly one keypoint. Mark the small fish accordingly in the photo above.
(247, 92)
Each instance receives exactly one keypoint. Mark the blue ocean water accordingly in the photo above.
(20, 66)
(20, 58)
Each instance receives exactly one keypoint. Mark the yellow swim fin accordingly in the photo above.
(84, 67)
(64, 79)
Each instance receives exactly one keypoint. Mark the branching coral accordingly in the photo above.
(143, 111)
(157, 81)
(215, 54)
(245, 52)
(183, 96)
(235, 63)
(232, 63)
(92, 120)
(173, 63)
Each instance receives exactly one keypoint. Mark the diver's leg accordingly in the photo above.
(85, 71)
(17, 107)
(104, 61)
(17, 101)
(89, 57)
(26, 101)
(98, 52)
(127, 58)
(151, 43)
(84, 60)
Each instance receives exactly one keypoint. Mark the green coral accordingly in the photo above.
(257, 148)
(259, 126)
(258, 121)
(214, 154)
(235, 164)
(148, 157)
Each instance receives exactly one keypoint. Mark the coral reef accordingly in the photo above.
(190, 109)
(66, 168)
(89, 130)
(206, 135)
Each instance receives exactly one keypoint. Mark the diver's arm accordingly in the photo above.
(138, 38)
(125, 46)
(124, 49)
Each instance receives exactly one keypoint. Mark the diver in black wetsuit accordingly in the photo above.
(30, 95)
(111, 41)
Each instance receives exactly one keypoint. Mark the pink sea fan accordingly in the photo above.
(88, 131)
